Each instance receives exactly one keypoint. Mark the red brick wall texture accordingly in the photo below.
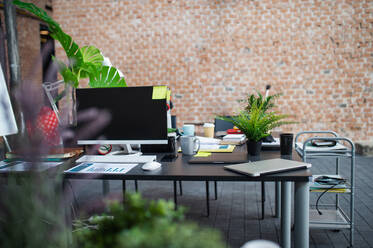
(211, 53)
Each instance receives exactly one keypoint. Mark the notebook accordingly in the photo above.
(262, 167)
(220, 158)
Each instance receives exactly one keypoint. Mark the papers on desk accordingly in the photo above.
(210, 141)
(212, 145)
(102, 168)
(216, 148)
(18, 166)
(234, 139)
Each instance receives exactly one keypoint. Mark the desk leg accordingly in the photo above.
(207, 199)
(286, 215)
(136, 186)
(124, 190)
(105, 187)
(216, 189)
(263, 198)
(175, 195)
(181, 188)
(277, 199)
(301, 214)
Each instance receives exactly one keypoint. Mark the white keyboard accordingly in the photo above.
(117, 159)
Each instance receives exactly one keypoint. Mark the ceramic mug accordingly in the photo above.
(189, 145)
(188, 129)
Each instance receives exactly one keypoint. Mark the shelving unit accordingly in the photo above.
(334, 216)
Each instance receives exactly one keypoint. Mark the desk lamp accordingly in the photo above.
(8, 124)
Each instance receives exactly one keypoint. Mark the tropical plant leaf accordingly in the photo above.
(30, 7)
(68, 76)
(92, 54)
(107, 77)
(83, 62)
(71, 48)
(91, 61)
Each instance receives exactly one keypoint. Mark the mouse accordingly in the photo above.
(151, 166)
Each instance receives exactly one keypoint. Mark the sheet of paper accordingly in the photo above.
(205, 140)
(212, 147)
(106, 168)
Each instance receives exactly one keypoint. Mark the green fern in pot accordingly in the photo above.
(256, 124)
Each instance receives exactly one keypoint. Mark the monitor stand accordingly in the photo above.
(127, 150)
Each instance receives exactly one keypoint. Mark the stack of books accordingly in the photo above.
(233, 139)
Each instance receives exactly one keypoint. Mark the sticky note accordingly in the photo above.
(159, 92)
(168, 95)
(202, 154)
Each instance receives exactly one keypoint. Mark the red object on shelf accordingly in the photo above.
(234, 131)
(47, 125)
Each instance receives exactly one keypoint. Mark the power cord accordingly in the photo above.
(325, 180)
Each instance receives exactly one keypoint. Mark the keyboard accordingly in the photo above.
(117, 159)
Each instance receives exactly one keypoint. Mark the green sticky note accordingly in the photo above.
(159, 92)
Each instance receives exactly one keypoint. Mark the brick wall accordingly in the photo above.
(211, 53)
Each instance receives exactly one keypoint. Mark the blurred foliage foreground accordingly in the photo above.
(32, 214)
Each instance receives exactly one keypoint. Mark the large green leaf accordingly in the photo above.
(70, 47)
(68, 76)
(92, 60)
(39, 13)
(106, 77)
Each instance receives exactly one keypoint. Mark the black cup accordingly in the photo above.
(286, 143)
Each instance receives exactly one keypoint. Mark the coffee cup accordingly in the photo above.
(188, 130)
(189, 145)
(208, 129)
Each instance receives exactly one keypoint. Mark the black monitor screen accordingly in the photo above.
(135, 115)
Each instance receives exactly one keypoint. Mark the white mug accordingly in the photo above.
(189, 145)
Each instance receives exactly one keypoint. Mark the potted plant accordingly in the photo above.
(142, 223)
(255, 122)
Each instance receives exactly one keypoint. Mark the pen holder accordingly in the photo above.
(286, 143)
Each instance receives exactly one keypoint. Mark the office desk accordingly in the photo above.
(180, 169)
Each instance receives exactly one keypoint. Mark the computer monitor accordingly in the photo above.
(136, 118)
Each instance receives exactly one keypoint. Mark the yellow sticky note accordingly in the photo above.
(159, 92)
(202, 154)
(168, 95)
